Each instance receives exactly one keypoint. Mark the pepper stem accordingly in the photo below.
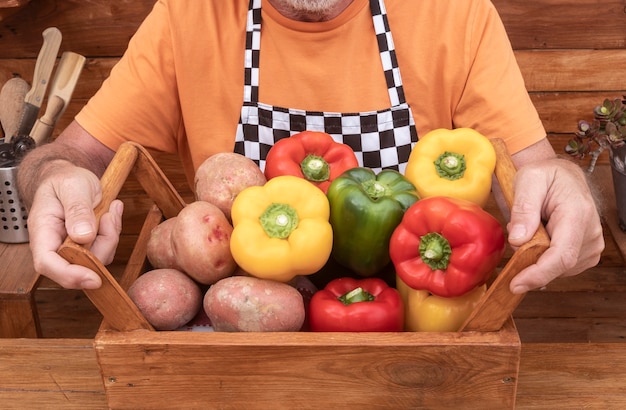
(435, 251)
(279, 220)
(315, 168)
(356, 295)
(450, 165)
(374, 189)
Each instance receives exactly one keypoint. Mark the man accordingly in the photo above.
(204, 77)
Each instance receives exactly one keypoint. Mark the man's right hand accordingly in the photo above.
(63, 206)
(59, 183)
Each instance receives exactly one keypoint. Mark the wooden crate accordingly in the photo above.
(143, 368)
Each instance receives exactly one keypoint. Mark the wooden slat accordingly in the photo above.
(571, 330)
(572, 304)
(544, 24)
(50, 374)
(384, 370)
(573, 70)
(18, 281)
(572, 376)
(560, 112)
(90, 28)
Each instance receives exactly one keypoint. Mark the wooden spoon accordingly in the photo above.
(12, 103)
(63, 83)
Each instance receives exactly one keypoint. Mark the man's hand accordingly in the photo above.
(59, 183)
(556, 191)
(63, 206)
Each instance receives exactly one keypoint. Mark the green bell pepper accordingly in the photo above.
(365, 208)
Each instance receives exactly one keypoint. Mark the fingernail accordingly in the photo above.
(119, 207)
(519, 289)
(89, 283)
(517, 231)
(82, 229)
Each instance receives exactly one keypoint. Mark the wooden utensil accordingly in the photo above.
(61, 90)
(41, 77)
(11, 104)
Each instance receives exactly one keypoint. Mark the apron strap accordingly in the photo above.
(252, 53)
(387, 52)
(385, 45)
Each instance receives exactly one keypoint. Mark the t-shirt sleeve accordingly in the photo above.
(138, 101)
(495, 101)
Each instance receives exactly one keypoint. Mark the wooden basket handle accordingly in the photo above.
(111, 299)
(498, 304)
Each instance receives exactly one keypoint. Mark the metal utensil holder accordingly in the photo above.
(13, 214)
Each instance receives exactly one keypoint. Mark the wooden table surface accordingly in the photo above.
(64, 374)
(573, 336)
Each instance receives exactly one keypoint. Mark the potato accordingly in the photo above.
(248, 304)
(160, 252)
(167, 298)
(201, 243)
(221, 177)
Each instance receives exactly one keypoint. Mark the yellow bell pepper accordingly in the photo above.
(425, 312)
(281, 229)
(456, 163)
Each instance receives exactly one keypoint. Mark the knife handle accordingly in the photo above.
(44, 65)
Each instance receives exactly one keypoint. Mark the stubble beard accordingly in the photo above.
(309, 10)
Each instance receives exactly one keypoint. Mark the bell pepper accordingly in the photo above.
(311, 155)
(365, 208)
(353, 305)
(446, 246)
(457, 163)
(425, 312)
(281, 229)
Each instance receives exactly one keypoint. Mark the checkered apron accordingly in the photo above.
(380, 139)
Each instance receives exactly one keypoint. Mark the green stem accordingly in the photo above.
(356, 295)
(450, 165)
(315, 168)
(279, 220)
(435, 251)
(374, 189)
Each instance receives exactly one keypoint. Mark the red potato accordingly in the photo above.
(221, 177)
(201, 243)
(167, 298)
(160, 251)
(248, 304)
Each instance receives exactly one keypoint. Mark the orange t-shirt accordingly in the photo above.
(179, 86)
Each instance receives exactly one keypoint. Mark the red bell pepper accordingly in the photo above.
(446, 246)
(311, 155)
(352, 305)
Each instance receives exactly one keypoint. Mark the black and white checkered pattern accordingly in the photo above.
(380, 139)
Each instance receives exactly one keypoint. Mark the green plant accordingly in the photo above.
(607, 130)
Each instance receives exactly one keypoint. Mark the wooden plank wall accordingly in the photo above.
(572, 52)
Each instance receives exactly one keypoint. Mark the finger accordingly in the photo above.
(106, 242)
(79, 196)
(46, 234)
(530, 192)
(563, 255)
(53, 266)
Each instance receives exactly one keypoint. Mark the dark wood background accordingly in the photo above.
(572, 53)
